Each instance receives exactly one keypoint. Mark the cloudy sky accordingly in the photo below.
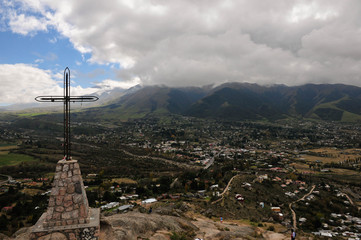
(121, 43)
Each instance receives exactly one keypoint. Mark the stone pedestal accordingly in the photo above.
(68, 215)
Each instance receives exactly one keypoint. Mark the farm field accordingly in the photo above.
(32, 192)
(331, 155)
(304, 168)
(123, 180)
(5, 148)
(8, 159)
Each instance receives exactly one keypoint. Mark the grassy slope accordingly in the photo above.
(8, 159)
(350, 117)
(346, 116)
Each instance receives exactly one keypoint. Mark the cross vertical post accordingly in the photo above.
(67, 147)
(66, 99)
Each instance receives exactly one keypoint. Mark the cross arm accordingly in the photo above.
(83, 99)
(63, 99)
(50, 99)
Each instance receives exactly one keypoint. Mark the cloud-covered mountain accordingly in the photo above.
(230, 101)
(241, 101)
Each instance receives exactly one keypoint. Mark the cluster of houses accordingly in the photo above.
(206, 153)
(7, 209)
(211, 140)
(116, 206)
(347, 226)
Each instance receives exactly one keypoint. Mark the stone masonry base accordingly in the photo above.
(68, 216)
(87, 231)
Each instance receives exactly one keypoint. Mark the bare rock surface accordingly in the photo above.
(275, 236)
(209, 229)
(154, 226)
(136, 225)
(3, 237)
(133, 225)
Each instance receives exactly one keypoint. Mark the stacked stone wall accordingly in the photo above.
(68, 204)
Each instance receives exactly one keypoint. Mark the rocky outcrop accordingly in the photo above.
(154, 226)
(135, 224)
(3, 237)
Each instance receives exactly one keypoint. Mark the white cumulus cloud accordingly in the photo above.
(109, 84)
(21, 83)
(27, 24)
(186, 42)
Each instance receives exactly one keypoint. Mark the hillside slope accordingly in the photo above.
(250, 101)
(237, 101)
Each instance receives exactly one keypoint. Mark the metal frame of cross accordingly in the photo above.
(66, 99)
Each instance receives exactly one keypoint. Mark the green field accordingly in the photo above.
(14, 159)
(4, 145)
(30, 114)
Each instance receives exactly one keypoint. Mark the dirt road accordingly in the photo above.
(349, 199)
(225, 190)
(5, 181)
(294, 217)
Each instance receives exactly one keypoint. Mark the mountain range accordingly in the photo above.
(238, 101)
(229, 101)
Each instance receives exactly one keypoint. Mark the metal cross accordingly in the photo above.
(66, 99)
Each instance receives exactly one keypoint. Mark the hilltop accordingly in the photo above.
(169, 223)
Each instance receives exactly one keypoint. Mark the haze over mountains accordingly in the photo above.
(239, 101)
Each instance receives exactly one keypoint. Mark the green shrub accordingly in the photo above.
(178, 236)
(271, 228)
